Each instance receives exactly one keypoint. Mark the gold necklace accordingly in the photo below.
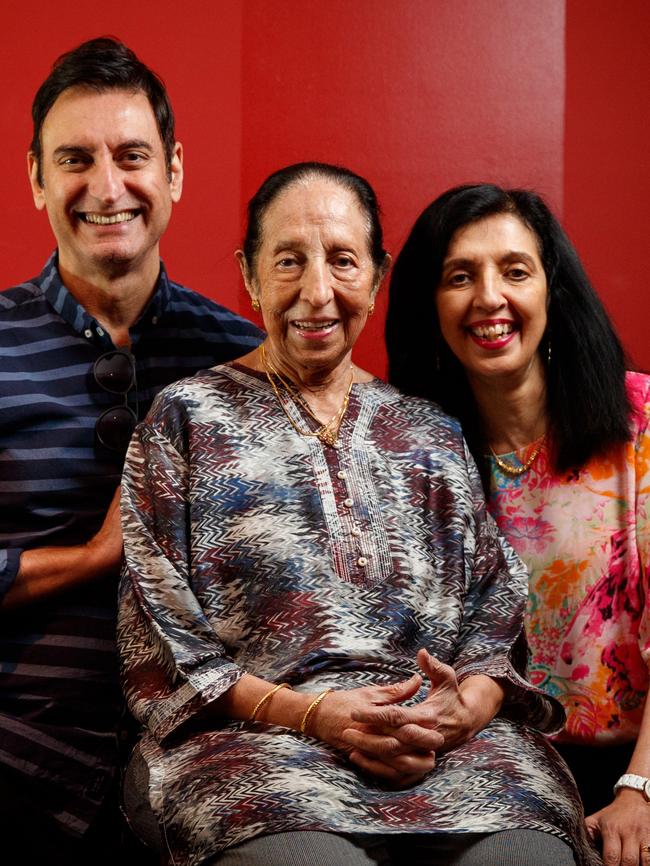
(516, 471)
(327, 433)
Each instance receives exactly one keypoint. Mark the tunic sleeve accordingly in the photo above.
(492, 640)
(173, 663)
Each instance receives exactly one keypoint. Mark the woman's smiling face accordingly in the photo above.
(313, 275)
(492, 298)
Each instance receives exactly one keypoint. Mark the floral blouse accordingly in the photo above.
(585, 537)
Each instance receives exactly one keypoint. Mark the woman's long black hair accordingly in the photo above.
(587, 404)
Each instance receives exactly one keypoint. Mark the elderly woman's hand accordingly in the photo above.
(400, 761)
(456, 712)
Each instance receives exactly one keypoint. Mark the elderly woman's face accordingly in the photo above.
(492, 298)
(314, 276)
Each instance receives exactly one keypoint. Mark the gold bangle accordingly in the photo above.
(267, 697)
(311, 708)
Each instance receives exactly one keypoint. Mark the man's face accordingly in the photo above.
(105, 184)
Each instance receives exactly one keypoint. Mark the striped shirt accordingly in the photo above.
(59, 697)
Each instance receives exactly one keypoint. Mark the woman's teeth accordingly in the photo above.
(314, 326)
(491, 332)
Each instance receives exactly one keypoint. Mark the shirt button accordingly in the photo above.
(348, 503)
(100, 331)
(356, 531)
(88, 333)
(362, 561)
(154, 320)
(341, 474)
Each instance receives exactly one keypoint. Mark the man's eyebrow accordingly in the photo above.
(135, 143)
(64, 149)
(129, 144)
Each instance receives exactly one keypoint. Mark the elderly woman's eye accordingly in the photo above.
(286, 262)
(343, 261)
(458, 279)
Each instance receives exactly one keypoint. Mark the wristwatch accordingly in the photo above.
(638, 783)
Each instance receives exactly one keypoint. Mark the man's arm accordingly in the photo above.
(49, 571)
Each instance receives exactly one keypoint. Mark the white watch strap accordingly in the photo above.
(631, 780)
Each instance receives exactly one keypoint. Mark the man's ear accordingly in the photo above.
(176, 173)
(34, 180)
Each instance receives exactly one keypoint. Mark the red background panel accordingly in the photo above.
(415, 94)
(607, 157)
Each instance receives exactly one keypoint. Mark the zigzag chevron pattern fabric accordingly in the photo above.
(250, 548)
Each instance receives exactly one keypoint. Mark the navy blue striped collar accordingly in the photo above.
(69, 308)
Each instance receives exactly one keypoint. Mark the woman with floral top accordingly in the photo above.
(492, 316)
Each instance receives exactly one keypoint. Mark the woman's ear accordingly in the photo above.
(382, 270)
(248, 280)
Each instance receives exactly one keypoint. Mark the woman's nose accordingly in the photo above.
(316, 285)
(488, 294)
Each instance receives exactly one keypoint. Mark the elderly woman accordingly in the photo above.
(304, 547)
(492, 316)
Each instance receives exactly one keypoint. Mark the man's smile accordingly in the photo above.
(100, 219)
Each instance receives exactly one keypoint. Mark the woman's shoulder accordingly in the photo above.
(196, 395)
(637, 386)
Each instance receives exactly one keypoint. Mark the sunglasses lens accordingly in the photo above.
(115, 372)
(115, 426)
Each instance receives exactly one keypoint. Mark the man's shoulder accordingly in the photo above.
(186, 302)
(15, 299)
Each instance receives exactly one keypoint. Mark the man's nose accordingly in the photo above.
(105, 182)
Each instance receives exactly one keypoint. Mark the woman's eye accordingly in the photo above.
(459, 279)
(517, 273)
(286, 262)
(343, 262)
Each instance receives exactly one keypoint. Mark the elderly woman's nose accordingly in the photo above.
(316, 284)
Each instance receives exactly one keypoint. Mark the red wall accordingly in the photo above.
(415, 94)
(607, 162)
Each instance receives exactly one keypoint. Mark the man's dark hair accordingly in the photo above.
(103, 64)
(280, 180)
(587, 404)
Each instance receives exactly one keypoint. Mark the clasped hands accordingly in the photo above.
(396, 743)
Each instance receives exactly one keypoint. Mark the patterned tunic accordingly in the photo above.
(250, 548)
(586, 541)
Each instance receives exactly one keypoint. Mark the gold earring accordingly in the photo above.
(371, 308)
(255, 304)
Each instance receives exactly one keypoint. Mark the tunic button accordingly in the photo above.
(100, 331)
(362, 561)
(88, 333)
(154, 320)
(356, 531)
(348, 503)
(341, 474)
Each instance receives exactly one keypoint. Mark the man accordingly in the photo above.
(84, 348)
